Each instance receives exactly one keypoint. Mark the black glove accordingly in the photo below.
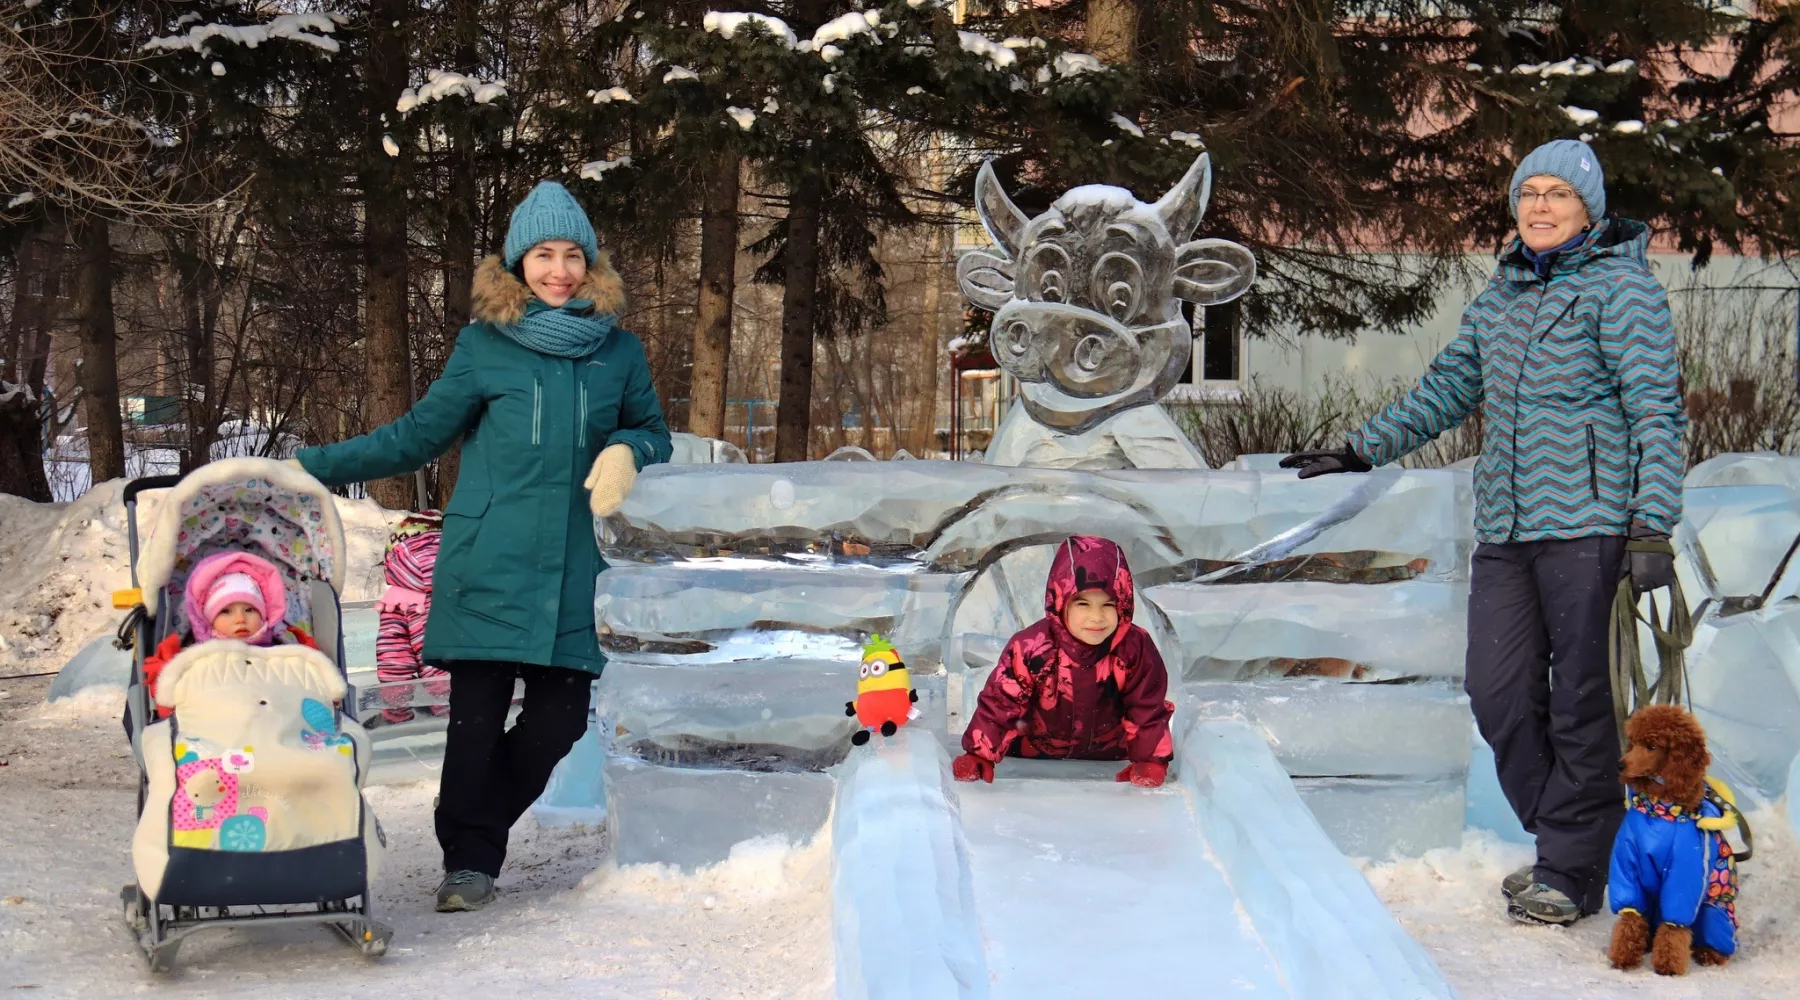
(1648, 566)
(1323, 462)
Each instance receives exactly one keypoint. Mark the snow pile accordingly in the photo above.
(307, 29)
(727, 24)
(1581, 116)
(744, 117)
(1449, 900)
(844, 28)
(440, 84)
(1189, 139)
(679, 73)
(64, 560)
(610, 95)
(598, 168)
(1126, 125)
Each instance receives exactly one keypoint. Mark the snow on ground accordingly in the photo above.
(64, 560)
(1449, 900)
(567, 923)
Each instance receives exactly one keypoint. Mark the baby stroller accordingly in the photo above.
(250, 807)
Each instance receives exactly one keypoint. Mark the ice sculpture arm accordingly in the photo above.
(1147, 710)
(1622, 889)
(1637, 340)
(1684, 886)
(640, 415)
(417, 436)
(1003, 702)
(1448, 392)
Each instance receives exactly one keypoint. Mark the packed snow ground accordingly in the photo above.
(1449, 901)
(567, 924)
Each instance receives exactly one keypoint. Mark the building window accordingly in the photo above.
(1220, 356)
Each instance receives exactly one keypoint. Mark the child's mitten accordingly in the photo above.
(609, 481)
(1145, 774)
(969, 767)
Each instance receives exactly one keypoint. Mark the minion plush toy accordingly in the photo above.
(884, 692)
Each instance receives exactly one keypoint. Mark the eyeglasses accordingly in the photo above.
(1555, 196)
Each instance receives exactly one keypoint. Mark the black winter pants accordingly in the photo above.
(1539, 683)
(493, 774)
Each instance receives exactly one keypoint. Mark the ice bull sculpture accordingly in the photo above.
(1087, 316)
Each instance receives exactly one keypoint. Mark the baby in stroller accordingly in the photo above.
(251, 795)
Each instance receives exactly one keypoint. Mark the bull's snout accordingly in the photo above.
(1084, 353)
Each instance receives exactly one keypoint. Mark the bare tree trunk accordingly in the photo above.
(386, 347)
(459, 223)
(21, 432)
(99, 348)
(718, 287)
(799, 303)
(198, 396)
(1112, 27)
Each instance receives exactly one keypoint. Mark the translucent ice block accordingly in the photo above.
(98, 664)
(576, 794)
(704, 598)
(1411, 628)
(1744, 672)
(1757, 468)
(361, 622)
(1324, 728)
(690, 818)
(957, 513)
(1738, 536)
(1312, 909)
(767, 715)
(1386, 818)
(900, 866)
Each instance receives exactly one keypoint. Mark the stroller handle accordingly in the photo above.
(136, 486)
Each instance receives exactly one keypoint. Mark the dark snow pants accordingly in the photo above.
(1539, 683)
(493, 774)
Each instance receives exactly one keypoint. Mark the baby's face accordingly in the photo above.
(237, 621)
(1092, 616)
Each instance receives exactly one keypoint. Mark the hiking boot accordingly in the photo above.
(465, 890)
(1540, 904)
(1517, 882)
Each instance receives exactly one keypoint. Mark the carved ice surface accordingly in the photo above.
(690, 818)
(695, 599)
(1744, 677)
(1384, 817)
(97, 664)
(1738, 537)
(1243, 631)
(1087, 297)
(1757, 468)
(1329, 728)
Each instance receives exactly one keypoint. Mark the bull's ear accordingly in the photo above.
(1185, 203)
(1209, 272)
(1002, 219)
(986, 280)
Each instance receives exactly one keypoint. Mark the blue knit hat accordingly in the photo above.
(549, 212)
(1568, 159)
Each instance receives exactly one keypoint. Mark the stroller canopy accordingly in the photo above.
(255, 505)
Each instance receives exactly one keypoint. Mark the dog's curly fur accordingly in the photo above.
(1665, 758)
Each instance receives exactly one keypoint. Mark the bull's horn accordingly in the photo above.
(1185, 203)
(999, 216)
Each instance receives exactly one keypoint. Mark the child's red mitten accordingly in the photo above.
(1147, 774)
(969, 767)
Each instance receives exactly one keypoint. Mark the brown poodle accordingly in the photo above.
(1665, 769)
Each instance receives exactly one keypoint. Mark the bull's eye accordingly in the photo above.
(1045, 267)
(1118, 285)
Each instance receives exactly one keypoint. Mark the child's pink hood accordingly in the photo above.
(268, 580)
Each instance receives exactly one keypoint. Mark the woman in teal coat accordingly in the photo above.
(557, 414)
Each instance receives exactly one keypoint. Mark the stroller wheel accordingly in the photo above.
(162, 956)
(134, 911)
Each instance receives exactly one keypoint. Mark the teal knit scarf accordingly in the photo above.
(573, 330)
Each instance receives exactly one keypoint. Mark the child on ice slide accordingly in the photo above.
(1082, 683)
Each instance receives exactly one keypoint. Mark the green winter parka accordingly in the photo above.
(515, 573)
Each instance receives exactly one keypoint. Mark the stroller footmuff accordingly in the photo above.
(250, 807)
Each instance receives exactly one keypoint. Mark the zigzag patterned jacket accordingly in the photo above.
(1576, 378)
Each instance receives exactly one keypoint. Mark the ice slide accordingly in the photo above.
(1054, 880)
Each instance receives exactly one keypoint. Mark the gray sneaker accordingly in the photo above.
(1541, 904)
(1517, 882)
(464, 890)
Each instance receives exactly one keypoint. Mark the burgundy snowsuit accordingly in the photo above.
(1052, 695)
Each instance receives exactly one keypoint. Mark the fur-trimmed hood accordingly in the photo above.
(499, 297)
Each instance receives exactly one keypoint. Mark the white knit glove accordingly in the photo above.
(609, 481)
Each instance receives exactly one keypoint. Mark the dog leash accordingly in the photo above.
(1719, 794)
(1631, 688)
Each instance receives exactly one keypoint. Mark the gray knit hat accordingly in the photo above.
(1569, 159)
(549, 212)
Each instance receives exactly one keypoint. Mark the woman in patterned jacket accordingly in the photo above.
(1570, 355)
